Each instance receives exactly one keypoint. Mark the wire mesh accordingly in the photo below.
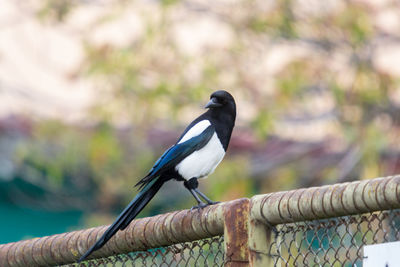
(205, 252)
(333, 242)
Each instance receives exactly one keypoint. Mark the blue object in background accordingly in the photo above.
(22, 223)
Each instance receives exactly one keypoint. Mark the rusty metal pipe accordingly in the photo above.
(327, 201)
(141, 234)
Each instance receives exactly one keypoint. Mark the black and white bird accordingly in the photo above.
(195, 155)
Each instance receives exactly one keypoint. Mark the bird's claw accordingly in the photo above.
(213, 202)
(201, 205)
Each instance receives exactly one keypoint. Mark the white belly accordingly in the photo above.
(202, 162)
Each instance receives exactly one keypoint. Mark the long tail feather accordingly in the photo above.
(126, 216)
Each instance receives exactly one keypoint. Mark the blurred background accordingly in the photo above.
(93, 91)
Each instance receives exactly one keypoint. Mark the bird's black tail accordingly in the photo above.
(129, 213)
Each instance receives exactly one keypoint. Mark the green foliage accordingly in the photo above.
(263, 123)
(294, 80)
(279, 21)
(167, 3)
(54, 153)
(56, 10)
(229, 180)
(356, 25)
(104, 151)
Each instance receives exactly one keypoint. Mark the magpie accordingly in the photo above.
(195, 155)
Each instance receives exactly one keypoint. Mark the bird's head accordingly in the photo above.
(221, 100)
(222, 107)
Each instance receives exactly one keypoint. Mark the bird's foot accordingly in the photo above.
(213, 202)
(201, 205)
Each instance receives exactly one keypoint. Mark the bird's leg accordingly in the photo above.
(200, 204)
(209, 201)
(191, 185)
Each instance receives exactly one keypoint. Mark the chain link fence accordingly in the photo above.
(205, 252)
(333, 242)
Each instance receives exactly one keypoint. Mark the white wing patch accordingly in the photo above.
(202, 162)
(197, 129)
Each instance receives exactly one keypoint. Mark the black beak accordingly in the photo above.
(213, 103)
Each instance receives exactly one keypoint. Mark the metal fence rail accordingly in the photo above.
(325, 226)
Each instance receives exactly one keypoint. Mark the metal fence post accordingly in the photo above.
(260, 238)
(236, 216)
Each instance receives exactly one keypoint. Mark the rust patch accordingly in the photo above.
(236, 216)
